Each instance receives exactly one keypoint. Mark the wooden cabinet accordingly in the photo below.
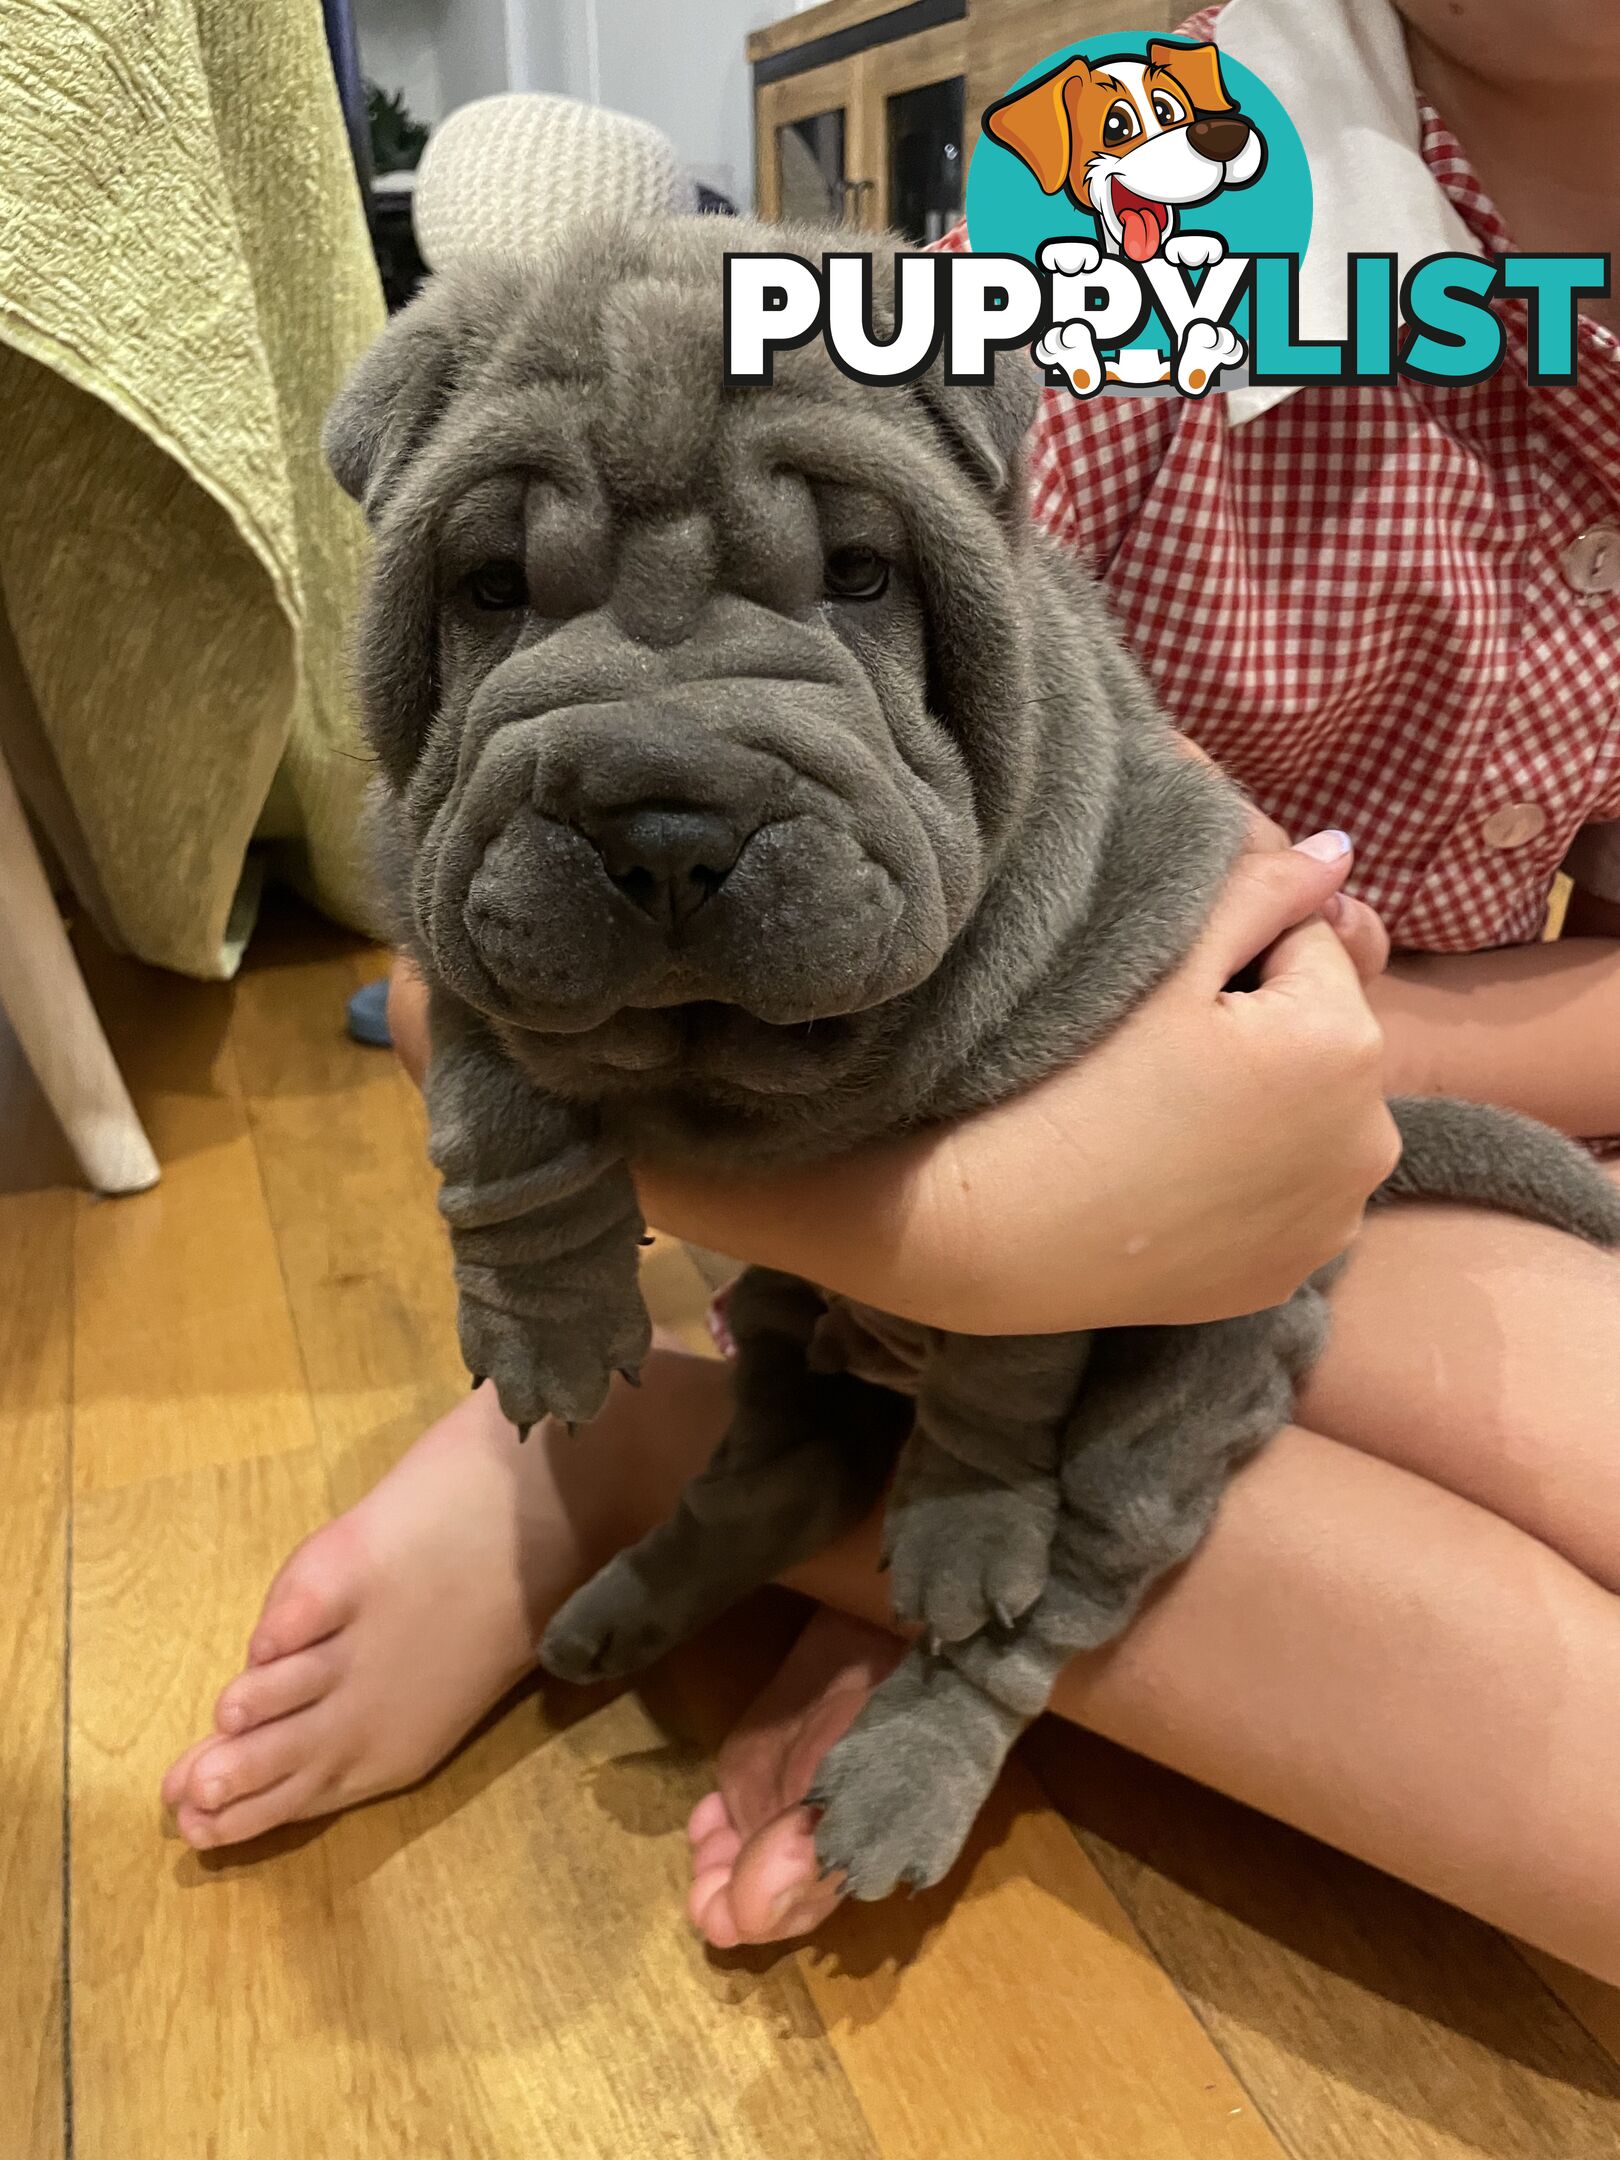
(872, 137)
(866, 112)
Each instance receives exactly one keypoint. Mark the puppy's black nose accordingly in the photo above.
(667, 857)
(1220, 138)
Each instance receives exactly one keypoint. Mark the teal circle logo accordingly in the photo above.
(1158, 155)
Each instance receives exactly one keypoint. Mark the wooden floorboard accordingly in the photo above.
(206, 1998)
(497, 1961)
(36, 1232)
(1365, 2018)
(340, 1142)
(184, 1351)
(1015, 2009)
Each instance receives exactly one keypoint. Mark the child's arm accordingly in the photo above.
(1534, 1027)
(1201, 1162)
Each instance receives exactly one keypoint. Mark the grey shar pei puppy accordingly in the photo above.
(757, 782)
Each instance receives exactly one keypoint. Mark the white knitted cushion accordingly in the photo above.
(505, 174)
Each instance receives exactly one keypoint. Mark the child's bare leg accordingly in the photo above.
(1418, 1667)
(1353, 1650)
(1360, 1650)
(1485, 1355)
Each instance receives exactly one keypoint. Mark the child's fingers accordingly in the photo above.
(1358, 927)
(1266, 895)
(1360, 930)
(1309, 961)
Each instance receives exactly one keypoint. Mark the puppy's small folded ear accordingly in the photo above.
(1198, 70)
(403, 383)
(1034, 124)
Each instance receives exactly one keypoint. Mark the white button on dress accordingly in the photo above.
(1591, 564)
(1515, 825)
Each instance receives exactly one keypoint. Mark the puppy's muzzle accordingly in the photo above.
(1219, 138)
(667, 858)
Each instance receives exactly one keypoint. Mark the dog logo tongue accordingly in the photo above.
(1142, 223)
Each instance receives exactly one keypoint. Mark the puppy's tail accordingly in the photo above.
(1497, 1159)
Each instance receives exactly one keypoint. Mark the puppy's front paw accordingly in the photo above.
(1071, 348)
(542, 1370)
(965, 1551)
(902, 1789)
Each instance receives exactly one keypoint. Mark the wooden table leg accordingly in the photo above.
(44, 998)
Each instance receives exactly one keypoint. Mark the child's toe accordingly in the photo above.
(271, 1691)
(776, 1887)
(178, 1775)
(284, 1802)
(711, 1813)
(236, 1769)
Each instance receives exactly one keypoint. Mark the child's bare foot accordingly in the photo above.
(388, 1633)
(755, 1877)
(354, 1684)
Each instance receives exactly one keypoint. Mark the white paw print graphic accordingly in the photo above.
(1195, 250)
(1069, 258)
(1206, 349)
(1072, 348)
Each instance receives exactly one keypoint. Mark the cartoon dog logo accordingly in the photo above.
(1134, 141)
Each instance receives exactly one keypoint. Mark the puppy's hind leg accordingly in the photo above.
(1166, 1417)
(902, 1789)
(1163, 1417)
(806, 1454)
(968, 1528)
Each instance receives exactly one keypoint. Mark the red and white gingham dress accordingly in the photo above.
(1390, 610)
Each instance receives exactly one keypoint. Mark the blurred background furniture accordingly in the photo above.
(866, 112)
(503, 175)
(185, 279)
(42, 995)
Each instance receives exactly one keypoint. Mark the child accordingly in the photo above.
(1393, 609)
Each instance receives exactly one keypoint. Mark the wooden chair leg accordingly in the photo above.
(49, 1008)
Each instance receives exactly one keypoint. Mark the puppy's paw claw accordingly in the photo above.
(968, 1555)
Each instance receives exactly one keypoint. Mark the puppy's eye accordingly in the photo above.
(497, 587)
(857, 573)
(1120, 125)
(1166, 111)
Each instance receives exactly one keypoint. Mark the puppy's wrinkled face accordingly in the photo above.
(681, 766)
(661, 776)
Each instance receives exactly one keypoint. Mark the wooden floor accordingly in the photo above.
(1125, 1968)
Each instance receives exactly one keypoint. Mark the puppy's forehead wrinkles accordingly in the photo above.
(664, 577)
(659, 400)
